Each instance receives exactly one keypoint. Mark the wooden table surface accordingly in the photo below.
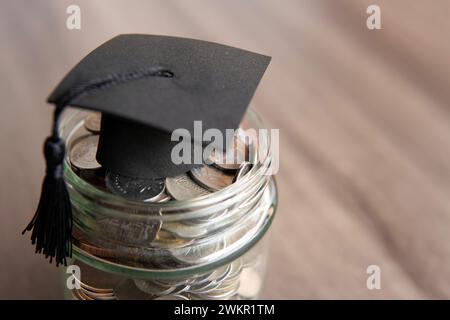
(364, 121)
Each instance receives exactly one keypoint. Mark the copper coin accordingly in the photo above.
(211, 178)
(92, 122)
(234, 156)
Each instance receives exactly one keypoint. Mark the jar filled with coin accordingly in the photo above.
(160, 185)
(196, 235)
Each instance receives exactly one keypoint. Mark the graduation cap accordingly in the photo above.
(145, 86)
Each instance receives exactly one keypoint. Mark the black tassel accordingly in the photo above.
(52, 222)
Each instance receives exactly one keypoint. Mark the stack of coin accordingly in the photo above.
(222, 283)
(231, 281)
(222, 286)
(199, 182)
(94, 284)
(86, 292)
(224, 169)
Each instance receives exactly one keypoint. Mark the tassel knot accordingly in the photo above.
(54, 151)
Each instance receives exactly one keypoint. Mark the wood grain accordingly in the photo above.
(364, 122)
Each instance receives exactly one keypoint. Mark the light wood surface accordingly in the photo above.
(364, 125)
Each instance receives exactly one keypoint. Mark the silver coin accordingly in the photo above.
(172, 297)
(210, 281)
(183, 230)
(208, 287)
(152, 288)
(182, 187)
(133, 188)
(163, 197)
(206, 221)
(174, 282)
(92, 122)
(166, 240)
(223, 290)
(230, 160)
(202, 286)
(207, 297)
(211, 178)
(83, 153)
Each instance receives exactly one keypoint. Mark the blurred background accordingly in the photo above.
(364, 119)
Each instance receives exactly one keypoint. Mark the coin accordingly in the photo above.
(76, 295)
(211, 178)
(166, 240)
(230, 160)
(209, 280)
(174, 282)
(83, 294)
(160, 288)
(152, 288)
(95, 290)
(172, 297)
(218, 293)
(163, 259)
(133, 188)
(92, 122)
(183, 230)
(113, 251)
(95, 296)
(83, 153)
(208, 287)
(80, 295)
(182, 187)
(82, 243)
(200, 253)
(163, 197)
(134, 232)
(208, 220)
(95, 293)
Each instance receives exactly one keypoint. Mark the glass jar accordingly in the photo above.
(210, 247)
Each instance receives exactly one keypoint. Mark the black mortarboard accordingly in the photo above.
(146, 87)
